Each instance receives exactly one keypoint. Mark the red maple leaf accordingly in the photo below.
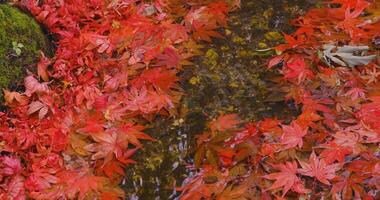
(115, 141)
(275, 61)
(169, 57)
(176, 33)
(14, 99)
(292, 135)
(319, 169)
(42, 67)
(334, 152)
(292, 42)
(42, 109)
(351, 23)
(80, 184)
(93, 125)
(297, 69)
(112, 169)
(350, 187)
(225, 122)
(206, 19)
(11, 165)
(286, 178)
(15, 189)
(370, 113)
(32, 85)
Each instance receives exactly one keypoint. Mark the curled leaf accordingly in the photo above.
(347, 55)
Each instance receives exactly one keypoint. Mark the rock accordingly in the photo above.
(21, 40)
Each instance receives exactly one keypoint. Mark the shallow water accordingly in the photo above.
(230, 78)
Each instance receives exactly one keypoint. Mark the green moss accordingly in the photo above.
(273, 36)
(238, 40)
(268, 13)
(259, 23)
(262, 45)
(211, 58)
(18, 28)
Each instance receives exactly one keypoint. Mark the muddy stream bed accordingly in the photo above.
(230, 77)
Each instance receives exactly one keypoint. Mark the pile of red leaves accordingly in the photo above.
(330, 70)
(82, 116)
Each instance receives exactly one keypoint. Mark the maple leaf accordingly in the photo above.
(169, 57)
(275, 61)
(115, 113)
(270, 127)
(12, 166)
(94, 124)
(269, 150)
(77, 143)
(112, 83)
(356, 93)
(311, 104)
(370, 113)
(113, 168)
(350, 24)
(14, 98)
(292, 135)
(292, 42)
(196, 189)
(350, 187)
(176, 33)
(112, 195)
(115, 141)
(233, 192)
(38, 106)
(334, 152)
(15, 189)
(134, 133)
(33, 86)
(159, 77)
(41, 179)
(81, 184)
(193, 48)
(307, 119)
(348, 139)
(286, 178)
(158, 101)
(319, 169)
(225, 122)
(137, 100)
(297, 69)
(108, 143)
(102, 43)
(42, 67)
(249, 131)
(206, 33)
(372, 75)
(219, 11)
(345, 55)
(206, 19)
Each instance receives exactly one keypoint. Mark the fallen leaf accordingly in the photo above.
(319, 169)
(346, 55)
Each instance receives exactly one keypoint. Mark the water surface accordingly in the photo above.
(230, 78)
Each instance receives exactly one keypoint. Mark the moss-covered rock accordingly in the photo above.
(21, 40)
